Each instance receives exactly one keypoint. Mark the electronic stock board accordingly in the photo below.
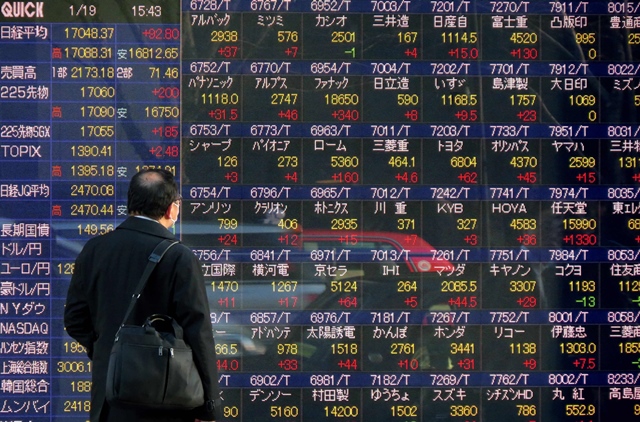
(405, 210)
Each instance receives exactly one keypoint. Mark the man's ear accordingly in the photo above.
(166, 220)
(167, 213)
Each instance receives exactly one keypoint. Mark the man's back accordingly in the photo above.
(106, 273)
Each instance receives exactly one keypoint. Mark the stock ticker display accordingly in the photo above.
(405, 210)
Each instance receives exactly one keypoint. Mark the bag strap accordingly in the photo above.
(165, 320)
(154, 258)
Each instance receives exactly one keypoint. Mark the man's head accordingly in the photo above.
(154, 193)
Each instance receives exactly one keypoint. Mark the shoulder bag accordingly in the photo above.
(151, 366)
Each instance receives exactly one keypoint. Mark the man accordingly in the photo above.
(106, 273)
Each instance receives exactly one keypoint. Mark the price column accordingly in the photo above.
(398, 271)
(272, 157)
(332, 216)
(83, 166)
(618, 290)
(571, 216)
(510, 341)
(115, 110)
(212, 163)
(452, 218)
(617, 293)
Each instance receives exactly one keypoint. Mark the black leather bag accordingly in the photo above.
(150, 366)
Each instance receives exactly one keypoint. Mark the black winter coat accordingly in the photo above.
(106, 273)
